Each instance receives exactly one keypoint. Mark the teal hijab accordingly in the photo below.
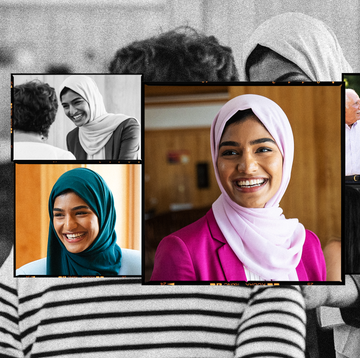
(103, 256)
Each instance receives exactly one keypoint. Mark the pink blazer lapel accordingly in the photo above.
(232, 267)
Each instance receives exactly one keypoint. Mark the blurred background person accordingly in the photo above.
(34, 110)
(352, 134)
(332, 254)
(293, 47)
(179, 55)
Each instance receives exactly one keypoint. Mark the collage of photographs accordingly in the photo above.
(171, 191)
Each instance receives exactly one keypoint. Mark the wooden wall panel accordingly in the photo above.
(167, 183)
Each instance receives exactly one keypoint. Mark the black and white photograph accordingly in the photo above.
(76, 117)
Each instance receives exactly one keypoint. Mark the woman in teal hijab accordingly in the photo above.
(82, 237)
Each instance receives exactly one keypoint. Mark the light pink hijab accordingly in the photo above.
(267, 243)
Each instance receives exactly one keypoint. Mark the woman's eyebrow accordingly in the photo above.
(81, 207)
(262, 140)
(229, 143)
(75, 208)
(73, 100)
(236, 144)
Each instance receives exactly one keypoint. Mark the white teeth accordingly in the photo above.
(77, 117)
(73, 236)
(251, 182)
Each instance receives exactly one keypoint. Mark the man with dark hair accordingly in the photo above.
(179, 55)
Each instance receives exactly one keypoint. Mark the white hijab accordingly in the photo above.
(97, 131)
(303, 40)
(266, 243)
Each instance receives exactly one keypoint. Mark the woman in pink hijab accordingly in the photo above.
(245, 236)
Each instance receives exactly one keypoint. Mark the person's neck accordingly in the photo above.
(350, 124)
(22, 136)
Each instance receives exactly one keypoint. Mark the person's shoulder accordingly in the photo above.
(332, 246)
(311, 238)
(64, 154)
(313, 257)
(195, 229)
(312, 244)
(73, 133)
(127, 124)
(59, 153)
(33, 268)
(130, 262)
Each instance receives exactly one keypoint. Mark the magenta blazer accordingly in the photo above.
(200, 252)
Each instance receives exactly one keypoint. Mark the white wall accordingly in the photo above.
(181, 116)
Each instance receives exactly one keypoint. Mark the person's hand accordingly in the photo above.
(315, 296)
(333, 296)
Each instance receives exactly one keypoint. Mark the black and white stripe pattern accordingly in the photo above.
(274, 324)
(87, 317)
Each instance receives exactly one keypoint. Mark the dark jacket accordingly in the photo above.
(124, 144)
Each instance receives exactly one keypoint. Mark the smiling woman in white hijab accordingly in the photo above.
(293, 47)
(98, 134)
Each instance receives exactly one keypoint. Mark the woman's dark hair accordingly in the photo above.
(180, 55)
(239, 116)
(64, 91)
(58, 68)
(257, 55)
(34, 108)
(352, 230)
(66, 191)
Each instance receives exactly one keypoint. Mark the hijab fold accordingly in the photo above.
(303, 40)
(94, 134)
(103, 256)
(267, 243)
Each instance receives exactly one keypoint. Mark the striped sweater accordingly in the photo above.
(100, 317)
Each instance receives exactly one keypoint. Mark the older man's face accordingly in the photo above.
(352, 112)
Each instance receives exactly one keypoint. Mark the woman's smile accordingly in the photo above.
(249, 163)
(76, 117)
(250, 185)
(72, 238)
